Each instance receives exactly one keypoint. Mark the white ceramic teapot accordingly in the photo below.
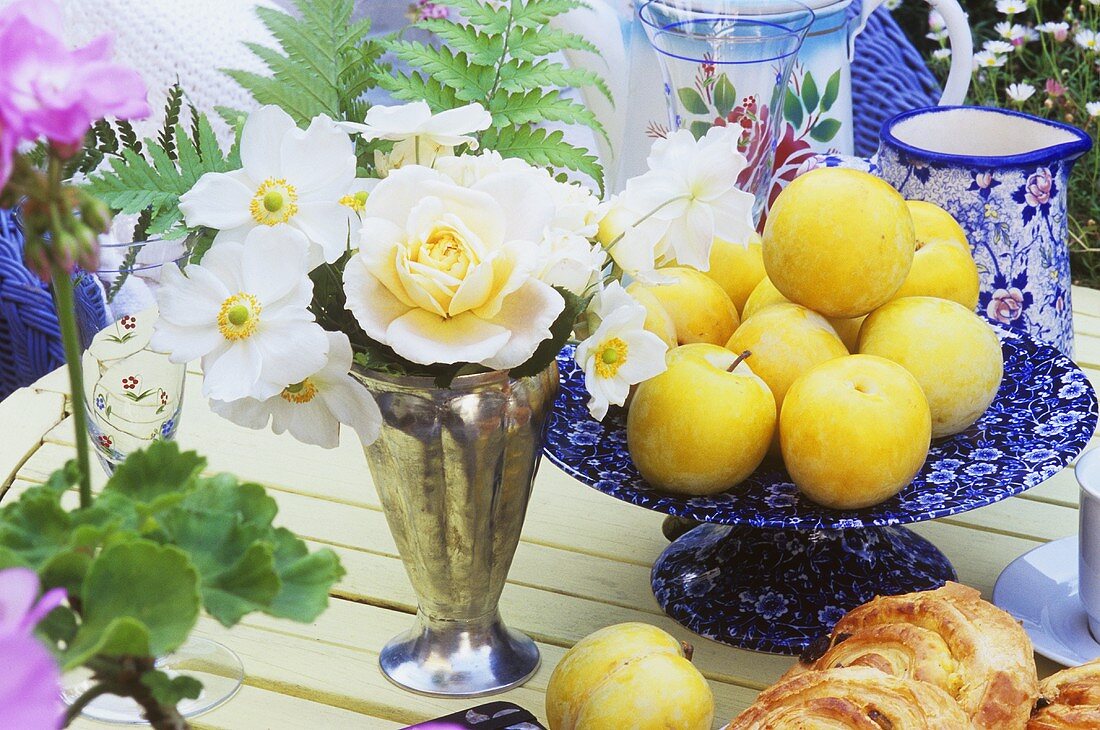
(821, 77)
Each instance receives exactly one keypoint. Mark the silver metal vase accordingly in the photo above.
(454, 468)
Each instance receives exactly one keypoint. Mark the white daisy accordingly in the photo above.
(1011, 7)
(313, 409)
(941, 54)
(1020, 92)
(998, 47)
(1093, 108)
(985, 59)
(289, 177)
(244, 311)
(1087, 39)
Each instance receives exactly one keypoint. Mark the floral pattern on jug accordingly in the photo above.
(1016, 221)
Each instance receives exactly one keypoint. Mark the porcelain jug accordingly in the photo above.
(817, 109)
(1004, 176)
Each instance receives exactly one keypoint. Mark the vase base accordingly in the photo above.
(459, 658)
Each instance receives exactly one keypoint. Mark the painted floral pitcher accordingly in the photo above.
(816, 111)
(1003, 175)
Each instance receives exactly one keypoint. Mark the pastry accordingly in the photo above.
(852, 698)
(948, 637)
(1069, 699)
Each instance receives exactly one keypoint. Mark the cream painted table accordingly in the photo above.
(583, 564)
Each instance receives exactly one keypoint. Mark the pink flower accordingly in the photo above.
(1053, 88)
(8, 143)
(1006, 305)
(47, 90)
(30, 695)
(1037, 190)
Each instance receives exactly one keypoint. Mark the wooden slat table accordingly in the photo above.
(583, 563)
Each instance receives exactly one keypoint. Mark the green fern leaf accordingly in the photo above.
(532, 43)
(106, 139)
(476, 12)
(537, 106)
(285, 71)
(543, 148)
(469, 81)
(480, 48)
(540, 12)
(417, 87)
(516, 75)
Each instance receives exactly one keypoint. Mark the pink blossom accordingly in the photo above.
(1053, 88)
(983, 179)
(47, 90)
(1037, 190)
(30, 695)
(8, 143)
(1006, 305)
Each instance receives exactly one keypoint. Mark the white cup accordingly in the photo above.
(1088, 476)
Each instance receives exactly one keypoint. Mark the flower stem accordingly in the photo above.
(63, 295)
(78, 705)
(649, 215)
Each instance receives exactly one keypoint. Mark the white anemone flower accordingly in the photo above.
(447, 274)
(244, 311)
(420, 136)
(620, 353)
(288, 176)
(1020, 92)
(1087, 39)
(1093, 108)
(313, 409)
(569, 261)
(691, 186)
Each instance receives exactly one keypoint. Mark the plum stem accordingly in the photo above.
(740, 359)
(688, 649)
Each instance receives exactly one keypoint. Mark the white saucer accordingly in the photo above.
(1039, 588)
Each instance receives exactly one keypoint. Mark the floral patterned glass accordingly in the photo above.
(728, 66)
(133, 394)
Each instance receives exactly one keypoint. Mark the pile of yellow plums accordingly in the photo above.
(842, 342)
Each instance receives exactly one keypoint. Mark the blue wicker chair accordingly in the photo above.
(30, 336)
(889, 76)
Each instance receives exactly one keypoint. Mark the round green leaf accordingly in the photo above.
(825, 130)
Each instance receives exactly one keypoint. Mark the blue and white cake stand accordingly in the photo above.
(772, 571)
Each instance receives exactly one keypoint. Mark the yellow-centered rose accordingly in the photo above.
(446, 273)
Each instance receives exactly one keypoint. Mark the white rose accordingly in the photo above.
(447, 274)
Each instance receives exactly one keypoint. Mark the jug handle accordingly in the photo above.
(959, 35)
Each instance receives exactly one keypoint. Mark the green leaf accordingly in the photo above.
(158, 470)
(537, 13)
(516, 75)
(543, 148)
(825, 130)
(469, 81)
(481, 48)
(792, 109)
(725, 96)
(59, 625)
(35, 527)
(167, 136)
(832, 90)
(417, 87)
(493, 20)
(537, 106)
(559, 335)
(691, 100)
(810, 94)
(699, 129)
(169, 691)
(139, 599)
(251, 584)
(306, 578)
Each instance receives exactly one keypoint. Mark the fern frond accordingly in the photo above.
(540, 12)
(537, 106)
(129, 136)
(480, 48)
(516, 75)
(532, 43)
(106, 139)
(172, 109)
(417, 87)
(543, 148)
(470, 81)
(492, 20)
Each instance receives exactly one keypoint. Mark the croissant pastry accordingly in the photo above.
(948, 637)
(852, 698)
(1069, 699)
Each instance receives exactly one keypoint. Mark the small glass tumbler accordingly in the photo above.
(132, 393)
(727, 63)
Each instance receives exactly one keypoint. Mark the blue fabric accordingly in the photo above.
(889, 76)
(30, 336)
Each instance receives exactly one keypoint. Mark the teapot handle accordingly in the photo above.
(958, 33)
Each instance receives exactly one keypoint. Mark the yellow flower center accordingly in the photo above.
(299, 393)
(610, 357)
(274, 202)
(239, 316)
(356, 202)
(447, 251)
